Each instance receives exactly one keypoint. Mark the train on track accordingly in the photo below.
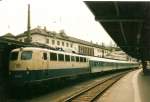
(29, 65)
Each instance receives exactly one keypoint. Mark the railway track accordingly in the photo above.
(92, 92)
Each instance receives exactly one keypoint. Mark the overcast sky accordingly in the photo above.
(71, 15)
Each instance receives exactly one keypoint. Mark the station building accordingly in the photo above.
(61, 41)
(9, 36)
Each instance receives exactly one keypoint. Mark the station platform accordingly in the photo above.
(134, 87)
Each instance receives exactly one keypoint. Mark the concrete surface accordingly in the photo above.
(134, 87)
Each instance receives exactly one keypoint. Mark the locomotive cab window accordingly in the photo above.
(53, 56)
(14, 56)
(26, 55)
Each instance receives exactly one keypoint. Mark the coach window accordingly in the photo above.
(53, 56)
(67, 57)
(26, 55)
(77, 59)
(60, 57)
(45, 56)
(72, 58)
(14, 56)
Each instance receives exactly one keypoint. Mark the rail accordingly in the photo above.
(91, 93)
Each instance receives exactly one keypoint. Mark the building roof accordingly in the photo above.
(8, 35)
(60, 35)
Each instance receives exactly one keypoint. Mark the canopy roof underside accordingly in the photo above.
(128, 23)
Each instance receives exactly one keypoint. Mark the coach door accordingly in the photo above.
(45, 64)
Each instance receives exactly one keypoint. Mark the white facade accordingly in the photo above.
(66, 45)
(98, 52)
(53, 42)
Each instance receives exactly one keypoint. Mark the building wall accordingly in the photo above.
(86, 50)
(53, 42)
(38, 38)
(22, 39)
(98, 52)
(67, 46)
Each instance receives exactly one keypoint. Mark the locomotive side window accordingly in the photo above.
(53, 56)
(26, 55)
(72, 58)
(81, 59)
(84, 59)
(77, 59)
(67, 57)
(60, 57)
(45, 56)
(14, 56)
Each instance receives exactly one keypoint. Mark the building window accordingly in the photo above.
(71, 45)
(62, 43)
(53, 42)
(20, 40)
(58, 42)
(47, 41)
(67, 44)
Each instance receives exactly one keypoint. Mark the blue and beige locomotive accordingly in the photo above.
(33, 65)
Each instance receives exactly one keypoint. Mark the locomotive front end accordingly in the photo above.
(19, 67)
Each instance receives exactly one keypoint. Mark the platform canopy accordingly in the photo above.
(128, 23)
